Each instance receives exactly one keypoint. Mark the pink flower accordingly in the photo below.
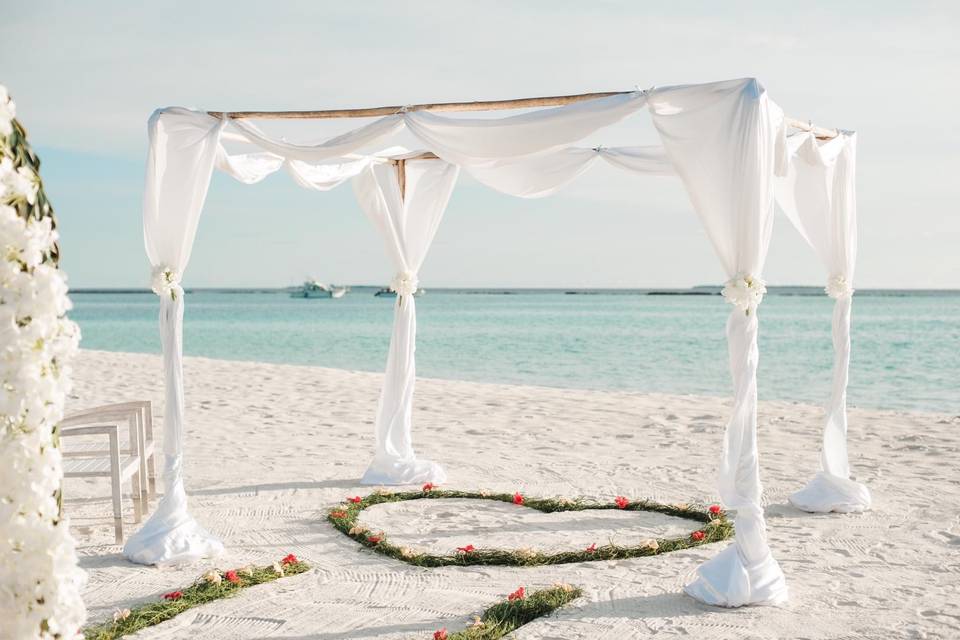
(715, 509)
(519, 594)
(517, 498)
(290, 559)
(592, 548)
(355, 499)
(173, 595)
(622, 502)
(232, 577)
(698, 535)
(430, 487)
(467, 549)
(374, 539)
(440, 634)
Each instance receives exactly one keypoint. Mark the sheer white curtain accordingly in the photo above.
(544, 174)
(473, 142)
(185, 145)
(182, 153)
(724, 140)
(818, 195)
(407, 221)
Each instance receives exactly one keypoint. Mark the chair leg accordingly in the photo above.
(146, 414)
(136, 494)
(117, 500)
(144, 486)
(152, 473)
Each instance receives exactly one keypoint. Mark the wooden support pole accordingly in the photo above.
(402, 178)
(483, 105)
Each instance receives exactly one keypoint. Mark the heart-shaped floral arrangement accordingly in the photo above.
(713, 526)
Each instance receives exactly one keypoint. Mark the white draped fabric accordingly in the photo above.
(724, 139)
(180, 161)
(186, 144)
(726, 142)
(818, 195)
(544, 174)
(407, 221)
(472, 142)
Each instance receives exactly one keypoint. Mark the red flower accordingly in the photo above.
(290, 559)
(519, 594)
(467, 549)
(173, 595)
(698, 535)
(622, 502)
(373, 539)
(338, 513)
(715, 509)
(232, 577)
(355, 499)
(592, 548)
(430, 487)
(440, 635)
(517, 498)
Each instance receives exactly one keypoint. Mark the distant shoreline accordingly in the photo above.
(704, 290)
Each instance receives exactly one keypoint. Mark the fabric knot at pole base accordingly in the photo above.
(827, 492)
(171, 535)
(727, 580)
(384, 471)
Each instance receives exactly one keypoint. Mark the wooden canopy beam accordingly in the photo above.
(483, 105)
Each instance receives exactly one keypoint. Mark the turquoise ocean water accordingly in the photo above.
(906, 346)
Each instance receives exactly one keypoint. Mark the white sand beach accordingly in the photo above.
(270, 448)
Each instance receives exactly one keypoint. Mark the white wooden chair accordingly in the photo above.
(117, 466)
(133, 459)
(138, 413)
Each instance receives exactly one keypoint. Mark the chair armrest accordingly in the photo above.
(96, 413)
(102, 429)
(133, 412)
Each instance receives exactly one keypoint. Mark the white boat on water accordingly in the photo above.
(314, 289)
(390, 293)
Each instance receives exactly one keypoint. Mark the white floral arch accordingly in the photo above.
(727, 141)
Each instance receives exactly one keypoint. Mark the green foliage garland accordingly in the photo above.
(204, 590)
(345, 517)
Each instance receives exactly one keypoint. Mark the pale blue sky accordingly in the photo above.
(86, 76)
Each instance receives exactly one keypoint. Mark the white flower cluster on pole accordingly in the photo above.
(745, 292)
(405, 284)
(39, 578)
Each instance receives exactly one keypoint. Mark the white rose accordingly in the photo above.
(405, 283)
(745, 292)
(8, 111)
(18, 185)
(838, 287)
(166, 282)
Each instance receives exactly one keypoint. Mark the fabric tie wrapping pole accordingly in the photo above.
(726, 141)
(182, 153)
(407, 221)
(818, 195)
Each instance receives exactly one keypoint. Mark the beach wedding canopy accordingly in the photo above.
(732, 147)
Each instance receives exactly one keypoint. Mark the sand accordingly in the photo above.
(270, 448)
